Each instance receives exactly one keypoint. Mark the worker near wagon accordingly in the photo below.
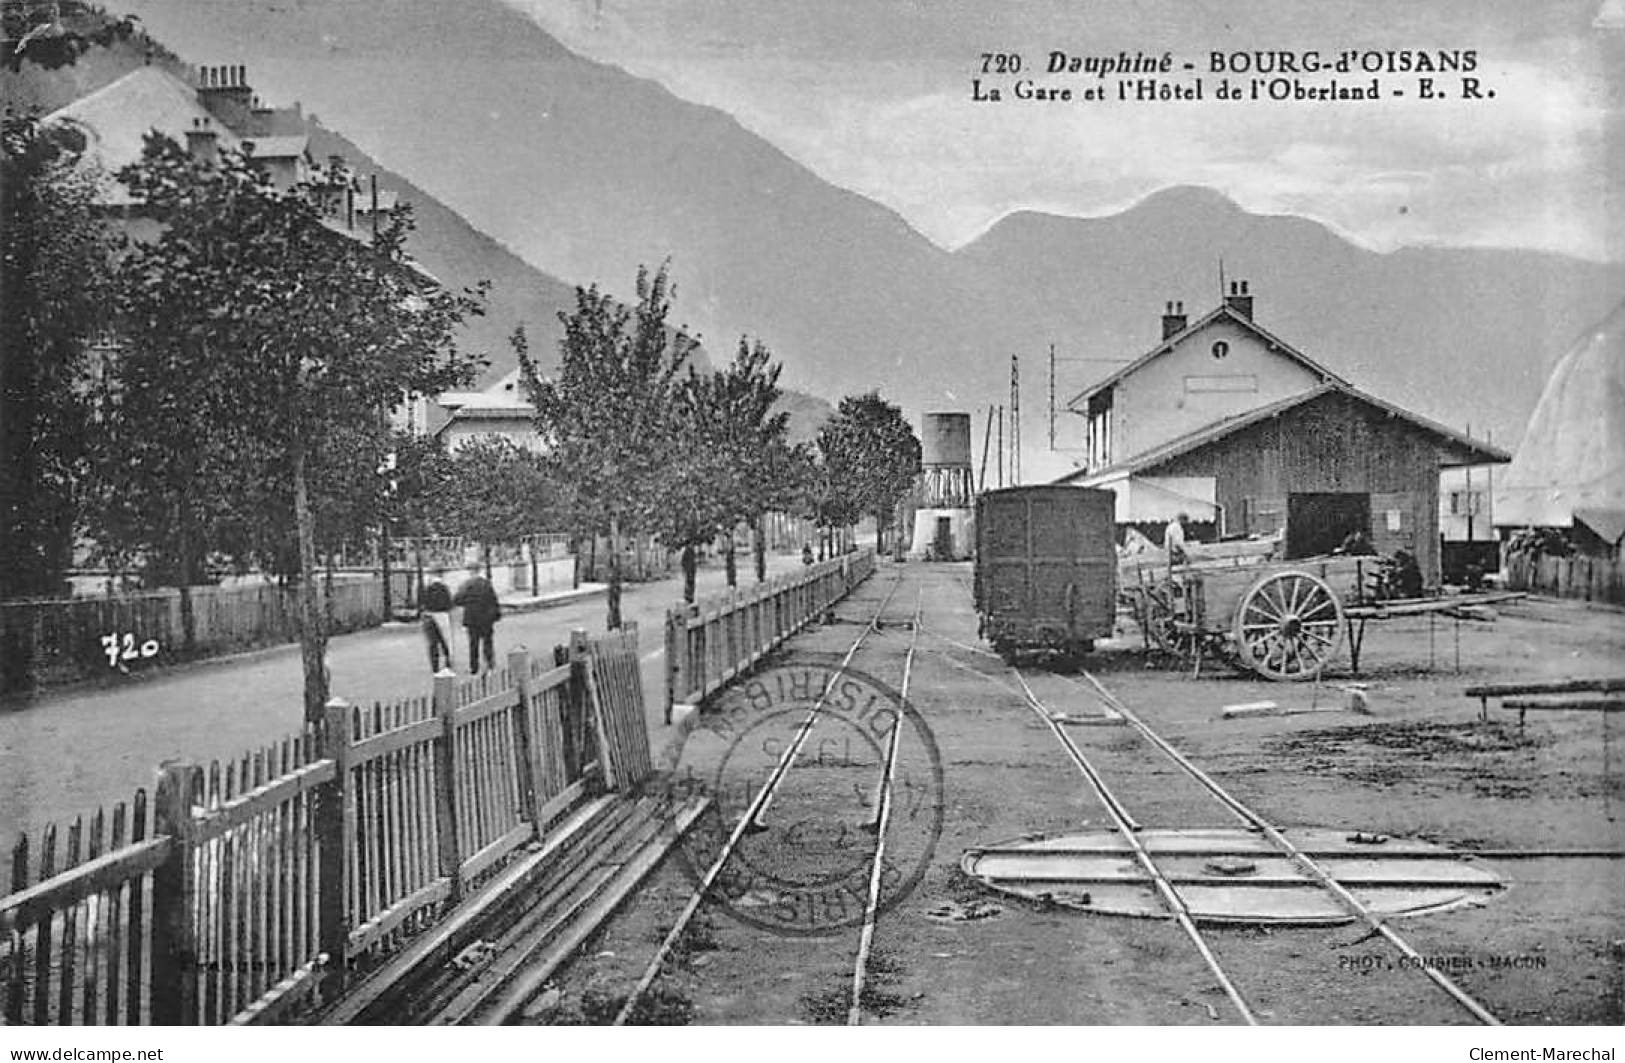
(1356, 544)
(435, 603)
(1173, 539)
(481, 611)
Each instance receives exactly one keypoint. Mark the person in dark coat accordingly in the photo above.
(481, 611)
(435, 603)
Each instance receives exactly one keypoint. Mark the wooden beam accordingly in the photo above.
(1613, 685)
(1565, 704)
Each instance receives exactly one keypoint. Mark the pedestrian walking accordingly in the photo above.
(481, 611)
(434, 601)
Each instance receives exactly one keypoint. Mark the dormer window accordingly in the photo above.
(1220, 349)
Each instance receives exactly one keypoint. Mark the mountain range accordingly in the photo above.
(583, 171)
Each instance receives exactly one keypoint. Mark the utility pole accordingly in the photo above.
(987, 436)
(1052, 396)
(1467, 493)
(1001, 446)
(1015, 420)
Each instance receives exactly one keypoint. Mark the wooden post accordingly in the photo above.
(450, 850)
(581, 667)
(674, 662)
(335, 840)
(525, 736)
(174, 902)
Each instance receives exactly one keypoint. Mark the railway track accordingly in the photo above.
(755, 812)
(1164, 883)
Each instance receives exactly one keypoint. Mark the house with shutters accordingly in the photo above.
(1249, 436)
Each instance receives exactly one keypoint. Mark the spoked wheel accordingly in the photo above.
(1160, 614)
(1287, 626)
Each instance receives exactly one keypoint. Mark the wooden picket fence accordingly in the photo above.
(248, 888)
(716, 639)
(1591, 579)
(49, 643)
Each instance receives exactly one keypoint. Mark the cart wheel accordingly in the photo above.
(1160, 614)
(1288, 625)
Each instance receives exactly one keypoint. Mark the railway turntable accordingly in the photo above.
(1234, 876)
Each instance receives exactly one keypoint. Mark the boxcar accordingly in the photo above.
(1046, 569)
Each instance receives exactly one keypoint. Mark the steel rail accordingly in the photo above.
(1307, 863)
(757, 805)
(871, 909)
(1125, 826)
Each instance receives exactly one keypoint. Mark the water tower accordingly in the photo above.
(943, 516)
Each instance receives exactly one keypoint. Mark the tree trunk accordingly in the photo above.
(759, 545)
(730, 560)
(690, 563)
(312, 635)
(880, 528)
(614, 621)
(383, 563)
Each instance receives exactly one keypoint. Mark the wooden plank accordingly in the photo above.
(1610, 685)
(561, 802)
(380, 745)
(604, 904)
(369, 933)
(1418, 607)
(438, 941)
(485, 707)
(104, 874)
(240, 810)
(282, 996)
(497, 849)
(1565, 704)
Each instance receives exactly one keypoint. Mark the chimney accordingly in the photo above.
(1173, 320)
(202, 141)
(225, 93)
(1240, 300)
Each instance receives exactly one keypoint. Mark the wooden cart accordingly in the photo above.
(1283, 620)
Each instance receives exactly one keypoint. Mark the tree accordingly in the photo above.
(494, 490)
(263, 350)
(871, 457)
(737, 422)
(55, 33)
(606, 418)
(54, 285)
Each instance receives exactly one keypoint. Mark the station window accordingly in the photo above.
(1220, 348)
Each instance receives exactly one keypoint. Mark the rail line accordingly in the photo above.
(1298, 856)
(752, 814)
(888, 776)
(1170, 896)
(1176, 906)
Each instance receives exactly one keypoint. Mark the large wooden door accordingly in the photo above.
(1317, 522)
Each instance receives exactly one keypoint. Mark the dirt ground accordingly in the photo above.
(1547, 949)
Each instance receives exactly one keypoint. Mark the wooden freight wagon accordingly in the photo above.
(1046, 569)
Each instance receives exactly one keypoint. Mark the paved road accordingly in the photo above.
(67, 753)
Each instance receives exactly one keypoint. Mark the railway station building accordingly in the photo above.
(1250, 437)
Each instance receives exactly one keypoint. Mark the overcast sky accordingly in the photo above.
(875, 96)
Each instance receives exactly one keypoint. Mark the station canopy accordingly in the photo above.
(1158, 499)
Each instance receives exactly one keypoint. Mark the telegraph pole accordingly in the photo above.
(1015, 419)
(1001, 446)
(1052, 396)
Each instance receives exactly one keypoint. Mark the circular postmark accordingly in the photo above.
(821, 734)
